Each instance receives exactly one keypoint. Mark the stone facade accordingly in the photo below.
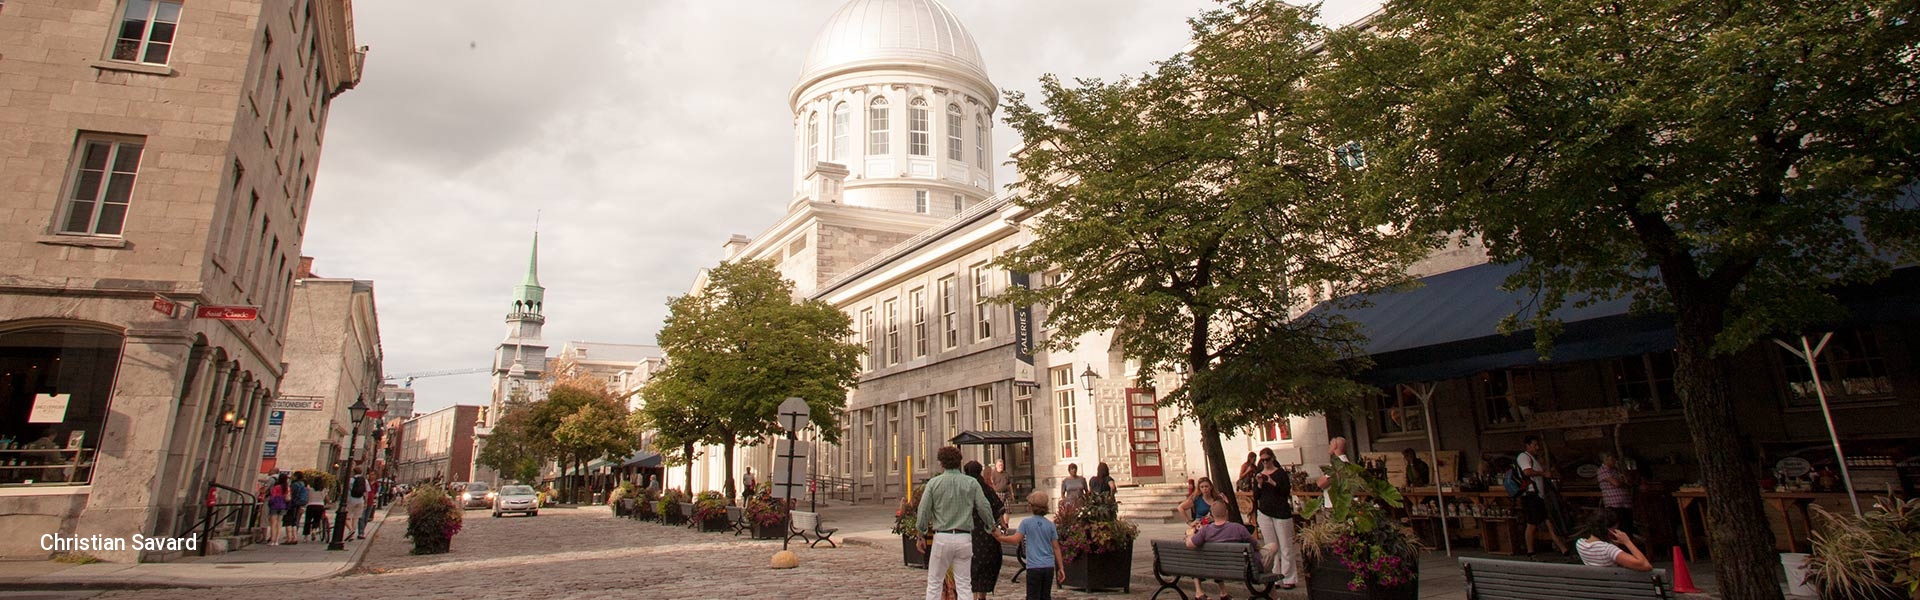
(438, 446)
(333, 359)
(178, 165)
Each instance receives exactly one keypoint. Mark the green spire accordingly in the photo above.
(533, 263)
(529, 297)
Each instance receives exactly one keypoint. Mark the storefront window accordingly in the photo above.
(1400, 412)
(54, 387)
(1645, 383)
(1851, 368)
(1508, 395)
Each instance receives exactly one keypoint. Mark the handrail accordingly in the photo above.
(243, 512)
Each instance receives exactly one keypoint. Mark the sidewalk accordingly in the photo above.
(258, 564)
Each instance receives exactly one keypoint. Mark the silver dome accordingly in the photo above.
(876, 32)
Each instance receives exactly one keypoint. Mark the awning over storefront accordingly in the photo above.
(642, 459)
(992, 438)
(1449, 327)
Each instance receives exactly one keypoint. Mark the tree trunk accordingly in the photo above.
(688, 454)
(727, 455)
(1737, 531)
(1198, 362)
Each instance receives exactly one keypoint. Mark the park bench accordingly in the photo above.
(1521, 580)
(737, 519)
(807, 526)
(686, 510)
(1018, 553)
(1223, 561)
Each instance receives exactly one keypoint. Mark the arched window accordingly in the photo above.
(841, 120)
(879, 128)
(813, 138)
(955, 121)
(54, 386)
(919, 130)
(980, 141)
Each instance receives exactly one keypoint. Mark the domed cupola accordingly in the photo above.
(894, 111)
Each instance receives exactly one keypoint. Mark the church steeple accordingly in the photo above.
(521, 359)
(529, 298)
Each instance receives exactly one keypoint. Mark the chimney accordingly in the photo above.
(305, 271)
(735, 245)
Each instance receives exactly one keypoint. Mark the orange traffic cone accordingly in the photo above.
(1682, 579)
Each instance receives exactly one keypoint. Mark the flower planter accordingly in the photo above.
(1327, 580)
(776, 531)
(910, 553)
(718, 523)
(1110, 570)
(674, 516)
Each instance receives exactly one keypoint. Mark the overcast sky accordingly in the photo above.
(643, 132)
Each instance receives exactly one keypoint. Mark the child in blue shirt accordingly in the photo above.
(1042, 545)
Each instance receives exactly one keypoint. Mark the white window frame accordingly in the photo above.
(980, 140)
(949, 312)
(921, 201)
(917, 303)
(983, 408)
(879, 127)
(867, 340)
(959, 203)
(891, 308)
(956, 123)
(813, 139)
(920, 433)
(115, 146)
(842, 122)
(950, 413)
(1064, 402)
(919, 128)
(1279, 430)
(145, 43)
(869, 439)
(982, 311)
(893, 438)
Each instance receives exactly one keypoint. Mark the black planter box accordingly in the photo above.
(910, 553)
(717, 523)
(1110, 570)
(1327, 580)
(776, 531)
(673, 517)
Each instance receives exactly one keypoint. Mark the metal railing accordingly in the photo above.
(239, 508)
(834, 488)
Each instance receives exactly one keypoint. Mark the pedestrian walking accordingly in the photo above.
(315, 528)
(948, 509)
(1616, 492)
(1072, 489)
(1273, 503)
(1102, 482)
(277, 498)
(1537, 492)
(357, 504)
(296, 502)
(1041, 544)
(746, 484)
(1002, 482)
(986, 549)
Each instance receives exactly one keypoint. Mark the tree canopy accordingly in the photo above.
(739, 347)
(1195, 210)
(1729, 164)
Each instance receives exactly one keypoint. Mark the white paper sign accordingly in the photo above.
(49, 408)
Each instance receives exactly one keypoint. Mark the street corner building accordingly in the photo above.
(159, 162)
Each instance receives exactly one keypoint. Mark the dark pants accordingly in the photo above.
(1623, 517)
(316, 516)
(1040, 584)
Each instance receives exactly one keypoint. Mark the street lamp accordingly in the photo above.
(357, 412)
(1087, 378)
(376, 450)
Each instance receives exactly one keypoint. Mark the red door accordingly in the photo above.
(1143, 429)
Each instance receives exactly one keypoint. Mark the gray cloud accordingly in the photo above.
(644, 133)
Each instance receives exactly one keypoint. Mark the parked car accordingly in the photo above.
(517, 499)
(476, 495)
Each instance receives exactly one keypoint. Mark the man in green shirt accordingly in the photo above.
(948, 505)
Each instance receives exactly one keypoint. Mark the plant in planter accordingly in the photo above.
(669, 507)
(432, 520)
(1096, 545)
(1875, 555)
(710, 511)
(621, 499)
(768, 516)
(646, 504)
(906, 524)
(1354, 548)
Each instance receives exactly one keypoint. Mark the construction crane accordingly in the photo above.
(409, 377)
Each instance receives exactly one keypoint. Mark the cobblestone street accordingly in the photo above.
(587, 553)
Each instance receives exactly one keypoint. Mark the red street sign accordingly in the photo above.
(164, 306)
(227, 313)
(376, 414)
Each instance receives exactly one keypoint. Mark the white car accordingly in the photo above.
(516, 499)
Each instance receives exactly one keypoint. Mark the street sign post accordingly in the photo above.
(790, 455)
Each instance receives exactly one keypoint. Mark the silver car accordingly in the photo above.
(475, 495)
(516, 499)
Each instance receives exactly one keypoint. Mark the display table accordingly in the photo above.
(1786, 503)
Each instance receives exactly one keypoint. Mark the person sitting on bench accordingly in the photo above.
(1211, 529)
(1604, 545)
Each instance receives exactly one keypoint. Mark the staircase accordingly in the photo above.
(1152, 503)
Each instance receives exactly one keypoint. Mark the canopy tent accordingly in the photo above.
(1004, 439)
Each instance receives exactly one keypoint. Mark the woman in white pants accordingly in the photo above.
(1273, 503)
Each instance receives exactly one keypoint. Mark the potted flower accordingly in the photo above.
(646, 505)
(621, 499)
(1875, 555)
(906, 522)
(1096, 545)
(669, 507)
(1354, 548)
(710, 511)
(767, 516)
(432, 520)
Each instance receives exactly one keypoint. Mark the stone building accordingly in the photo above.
(438, 446)
(895, 219)
(333, 359)
(520, 361)
(160, 159)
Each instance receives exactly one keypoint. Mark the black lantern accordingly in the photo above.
(1087, 378)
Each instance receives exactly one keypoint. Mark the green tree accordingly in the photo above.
(1728, 163)
(599, 429)
(1193, 210)
(740, 346)
(675, 424)
(512, 448)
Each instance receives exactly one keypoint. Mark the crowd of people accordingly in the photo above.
(296, 508)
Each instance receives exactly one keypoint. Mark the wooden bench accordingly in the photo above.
(1018, 552)
(686, 510)
(807, 526)
(1492, 579)
(1222, 561)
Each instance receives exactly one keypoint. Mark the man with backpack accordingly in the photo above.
(1528, 481)
(357, 504)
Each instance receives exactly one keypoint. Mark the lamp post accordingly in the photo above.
(357, 412)
(1087, 379)
(376, 450)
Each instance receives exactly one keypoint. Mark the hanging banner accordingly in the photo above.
(274, 421)
(1023, 370)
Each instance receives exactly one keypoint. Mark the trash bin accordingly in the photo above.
(1796, 567)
